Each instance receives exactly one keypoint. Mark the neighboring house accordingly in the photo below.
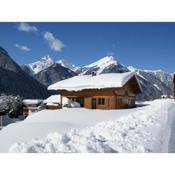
(104, 91)
(54, 102)
(30, 106)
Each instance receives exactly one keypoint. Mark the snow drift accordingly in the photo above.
(145, 130)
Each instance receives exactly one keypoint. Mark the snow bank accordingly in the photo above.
(146, 130)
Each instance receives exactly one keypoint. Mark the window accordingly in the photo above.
(101, 101)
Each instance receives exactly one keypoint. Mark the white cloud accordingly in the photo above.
(26, 27)
(54, 43)
(22, 47)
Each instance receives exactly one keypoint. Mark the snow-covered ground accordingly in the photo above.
(143, 129)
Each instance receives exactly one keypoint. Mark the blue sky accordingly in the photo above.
(142, 45)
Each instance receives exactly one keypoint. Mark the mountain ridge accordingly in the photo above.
(155, 83)
(54, 73)
(36, 67)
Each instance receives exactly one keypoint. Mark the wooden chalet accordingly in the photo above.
(104, 91)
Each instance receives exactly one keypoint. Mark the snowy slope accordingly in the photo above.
(107, 64)
(161, 75)
(145, 129)
(53, 74)
(47, 72)
(36, 67)
(154, 83)
(40, 124)
(44, 63)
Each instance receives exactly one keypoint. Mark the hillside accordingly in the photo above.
(38, 66)
(15, 81)
(53, 74)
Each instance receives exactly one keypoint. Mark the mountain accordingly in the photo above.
(107, 64)
(68, 65)
(53, 74)
(47, 72)
(14, 81)
(38, 66)
(153, 83)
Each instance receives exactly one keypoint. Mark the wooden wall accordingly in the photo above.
(110, 102)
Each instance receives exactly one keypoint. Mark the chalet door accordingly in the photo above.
(93, 103)
(80, 100)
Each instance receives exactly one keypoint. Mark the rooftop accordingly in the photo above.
(56, 99)
(108, 80)
(31, 101)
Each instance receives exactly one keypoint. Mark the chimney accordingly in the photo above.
(93, 73)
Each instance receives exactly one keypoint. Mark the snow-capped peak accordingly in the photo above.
(68, 65)
(132, 69)
(104, 62)
(42, 64)
(104, 65)
(47, 58)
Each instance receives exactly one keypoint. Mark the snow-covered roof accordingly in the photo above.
(31, 101)
(52, 104)
(55, 99)
(101, 81)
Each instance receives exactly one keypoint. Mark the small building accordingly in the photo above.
(31, 105)
(54, 102)
(104, 91)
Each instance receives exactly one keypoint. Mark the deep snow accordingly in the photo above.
(143, 129)
(40, 124)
